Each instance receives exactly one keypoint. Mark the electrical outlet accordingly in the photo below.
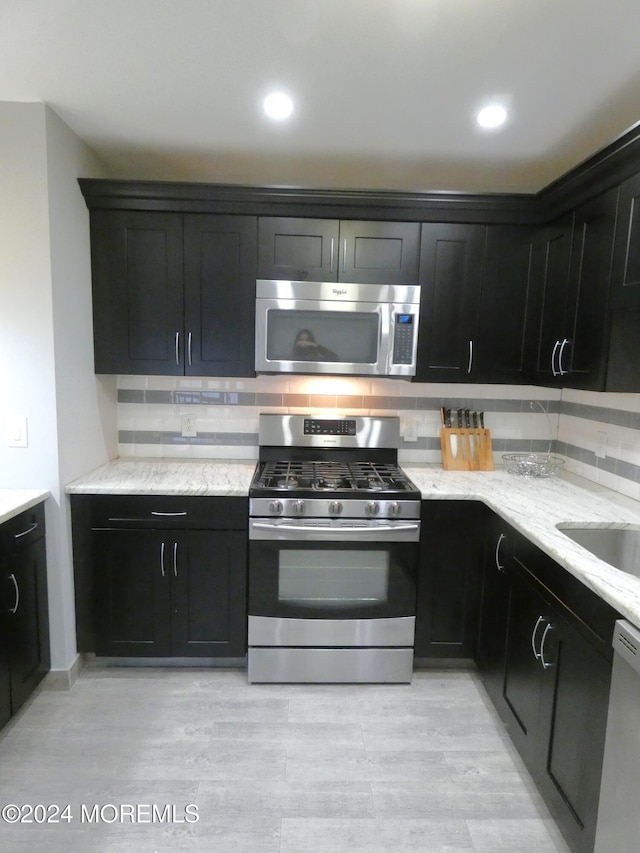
(601, 445)
(410, 431)
(189, 429)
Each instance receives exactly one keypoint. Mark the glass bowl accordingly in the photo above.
(533, 464)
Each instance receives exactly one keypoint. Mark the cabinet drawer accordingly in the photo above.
(168, 511)
(23, 529)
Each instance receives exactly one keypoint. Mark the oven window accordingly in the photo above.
(339, 336)
(330, 579)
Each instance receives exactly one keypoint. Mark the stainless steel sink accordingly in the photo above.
(618, 546)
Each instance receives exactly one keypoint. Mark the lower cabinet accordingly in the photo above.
(450, 550)
(24, 624)
(167, 576)
(544, 650)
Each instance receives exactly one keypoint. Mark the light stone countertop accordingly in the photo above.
(532, 506)
(15, 501)
(134, 476)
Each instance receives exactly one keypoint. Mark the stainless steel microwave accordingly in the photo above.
(336, 328)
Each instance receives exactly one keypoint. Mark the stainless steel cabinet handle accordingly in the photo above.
(26, 532)
(561, 370)
(331, 255)
(162, 558)
(189, 347)
(536, 654)
(300, 528)
(545, 664)
(499, 565)
(553, 359)
(14, 609)
(177, 348)
(168, 514)
(470, 364)
(175, 559)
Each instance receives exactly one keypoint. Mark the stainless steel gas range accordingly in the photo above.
(333, 552)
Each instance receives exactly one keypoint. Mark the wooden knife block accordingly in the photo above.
(466, 449)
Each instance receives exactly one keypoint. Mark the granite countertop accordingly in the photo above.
(15, 501)
(532, 506)
(134, 476)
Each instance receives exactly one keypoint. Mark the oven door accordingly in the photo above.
(317, 575)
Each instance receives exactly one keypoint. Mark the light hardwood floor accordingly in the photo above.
(271, 768)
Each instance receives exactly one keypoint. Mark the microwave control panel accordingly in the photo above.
(403, 335)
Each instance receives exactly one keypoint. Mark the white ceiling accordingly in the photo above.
(385, 90)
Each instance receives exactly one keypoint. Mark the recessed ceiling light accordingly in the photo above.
(492, 116)
(278, 105)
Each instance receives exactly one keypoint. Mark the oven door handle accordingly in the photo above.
(311, 532)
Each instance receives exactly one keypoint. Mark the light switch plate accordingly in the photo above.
(16, 431)
(188, 424)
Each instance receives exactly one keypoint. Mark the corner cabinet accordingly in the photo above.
(161, 576)
(544, 651)
(338, 250)
(173, 294)
(24, 624)
(572, 265)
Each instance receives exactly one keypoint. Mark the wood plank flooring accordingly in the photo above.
(269, 768)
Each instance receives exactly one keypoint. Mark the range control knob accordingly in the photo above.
(298, 507)
(394, 509)
(335, 508)
(372, 508)
(275, 507)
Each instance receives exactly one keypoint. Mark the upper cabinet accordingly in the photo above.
(475, 285)
(623, 367)
(572, 273)
(364, 252)
(173, 294)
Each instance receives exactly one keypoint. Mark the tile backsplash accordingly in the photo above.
(596, 433)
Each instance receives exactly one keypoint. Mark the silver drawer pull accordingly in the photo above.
(26, 532)
(168, 514)
(14, 609)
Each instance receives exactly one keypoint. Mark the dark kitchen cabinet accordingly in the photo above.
(25, 618)
(556, 687)
(493, 607)
(450, 280)
(173, 294)
(451, 546)
(573, 267)
(623, 367)
(167, 576)
(474, 303)
(331, 250)
(499, 338)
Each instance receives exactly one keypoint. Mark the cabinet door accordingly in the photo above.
(450, 557)
(623, 367)
(551, 256)
(136, 261)
(379, 252)
(298, 249)
(219, 287)
(525, 672)
(576, 707)
(493, 610)
(450, 277)
(132, 574)
(588, 302)
(5, 684)
(27, 620)
(208, 595)
(500, 354)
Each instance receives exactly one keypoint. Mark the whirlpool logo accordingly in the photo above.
(339, 291)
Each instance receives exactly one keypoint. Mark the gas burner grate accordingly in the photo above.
(332, 476)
